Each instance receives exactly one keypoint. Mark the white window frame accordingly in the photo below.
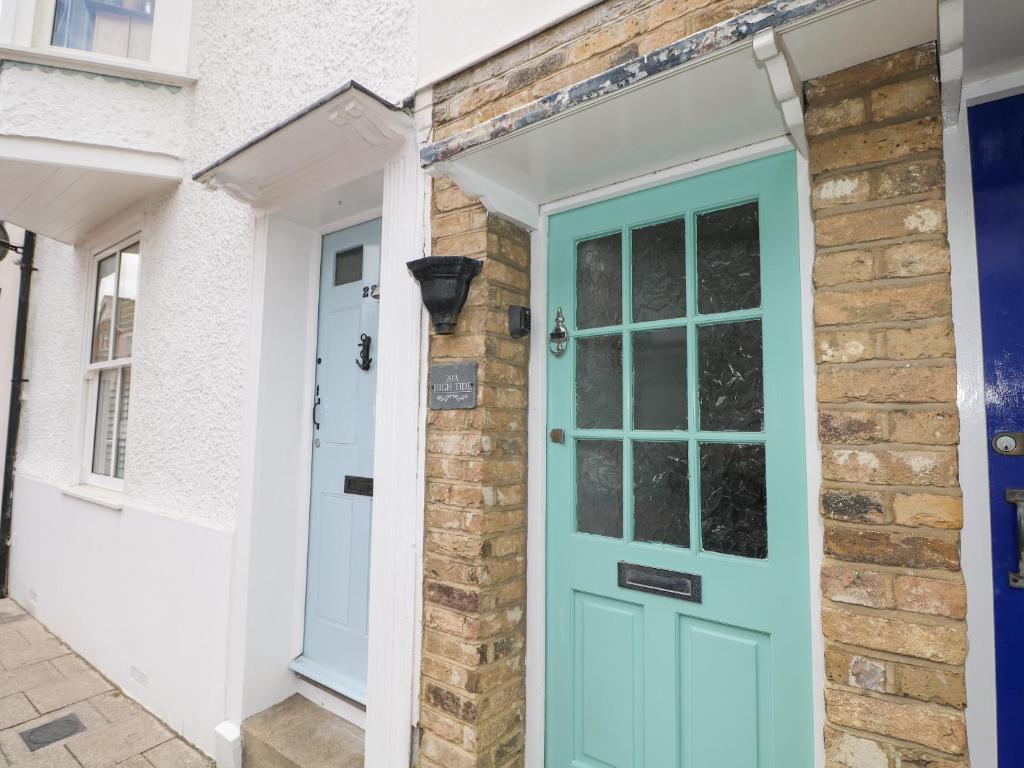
(91, 371)
(29, 24)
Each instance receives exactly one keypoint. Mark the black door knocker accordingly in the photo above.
(364, 352)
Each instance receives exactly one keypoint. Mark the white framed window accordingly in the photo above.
(108, 364)
(147, 36)
(112, 27)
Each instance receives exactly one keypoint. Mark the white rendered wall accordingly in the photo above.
(144, 592)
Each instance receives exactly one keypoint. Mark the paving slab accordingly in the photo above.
(69, 690)
(115, 706)
(13, 745)
(15, 710)
(114, 743)
(47, 649)
(175, 754)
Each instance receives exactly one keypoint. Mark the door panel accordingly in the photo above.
(997, 152)
(334, 651)
(680, 393)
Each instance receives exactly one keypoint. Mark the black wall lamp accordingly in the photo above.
(444, 282)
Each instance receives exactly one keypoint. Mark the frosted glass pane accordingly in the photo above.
(734, 499)
(661, 493)
(599, 487)
(728, 259)
(599, 383)
(348, 266)
(599, 282)
(659, 271)
(122, 422)
(731, 376)
(659, 379)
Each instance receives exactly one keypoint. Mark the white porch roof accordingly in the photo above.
(718, 90)
(64, 190)
(339, 143)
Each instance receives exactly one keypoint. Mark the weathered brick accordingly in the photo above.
(921, 342)
(928, 509)
(905, 97)
(887, 384)
(916, 259)
(852, 426)
(829, 118)
(855, 586)
(837, 267)
(913, 178)
(894, 548)
(927, 217)
(933, 596)
(927, 427)
(854, 505)
(861, 76)
(846, 750)
(940, 685)
(858, 671)
(875, 145)
(934, 642)
(943, 730)
(889, 301)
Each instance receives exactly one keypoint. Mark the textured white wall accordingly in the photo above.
(257, 64)
(76, 106)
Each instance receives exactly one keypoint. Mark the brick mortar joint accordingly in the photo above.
(889, 657)
(895, 698)
(893, 614)
(845, 209)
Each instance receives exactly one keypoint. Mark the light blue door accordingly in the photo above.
(338, 567)
(678, 598)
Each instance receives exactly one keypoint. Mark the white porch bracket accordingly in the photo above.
(770, 50)
(493, 196)
(951, 59)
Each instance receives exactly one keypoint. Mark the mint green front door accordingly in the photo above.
(678, 610)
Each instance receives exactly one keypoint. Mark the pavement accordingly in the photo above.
(56, 711)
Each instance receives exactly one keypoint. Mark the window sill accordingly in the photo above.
(84, 61)
(103, 497)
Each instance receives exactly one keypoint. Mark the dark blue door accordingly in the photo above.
(997, 149)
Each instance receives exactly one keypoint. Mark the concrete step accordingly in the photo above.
(298, 734)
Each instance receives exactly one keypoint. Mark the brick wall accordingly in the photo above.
(584, 45)
(894, 598)
(475, 539)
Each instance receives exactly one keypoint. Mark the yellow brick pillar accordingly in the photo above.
(472, 685)
(894, 601)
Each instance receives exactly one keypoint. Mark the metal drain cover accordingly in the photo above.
(52, 732)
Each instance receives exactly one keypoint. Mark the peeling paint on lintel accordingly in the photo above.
(616, 79)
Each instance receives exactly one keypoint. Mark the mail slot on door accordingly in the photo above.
(359, 486)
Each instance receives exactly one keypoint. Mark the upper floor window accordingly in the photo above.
(113, 27)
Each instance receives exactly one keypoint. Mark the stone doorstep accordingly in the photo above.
(298, 734)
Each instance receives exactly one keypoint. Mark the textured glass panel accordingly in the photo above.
(103, 316)
(661, 493)
(122, 420)
(348, 266)
(731, 376)
(659, 271)
(599, 282)
(127, 292)
(106, 414)
(733, 499)
(599, 487)
(599, 383)
(659, 379)
(113, 27)
(728, 260)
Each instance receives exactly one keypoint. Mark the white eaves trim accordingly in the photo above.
(84, 61)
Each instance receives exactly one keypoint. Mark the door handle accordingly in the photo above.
(316, 402)
(1016, 497)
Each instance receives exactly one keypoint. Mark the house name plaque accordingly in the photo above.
(452, 385)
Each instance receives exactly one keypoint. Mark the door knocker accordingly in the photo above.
(364, 359)
(558, 339)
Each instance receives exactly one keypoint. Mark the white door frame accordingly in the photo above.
(396, 535)
(537, 440)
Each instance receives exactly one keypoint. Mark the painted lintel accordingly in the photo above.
(617, 79)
